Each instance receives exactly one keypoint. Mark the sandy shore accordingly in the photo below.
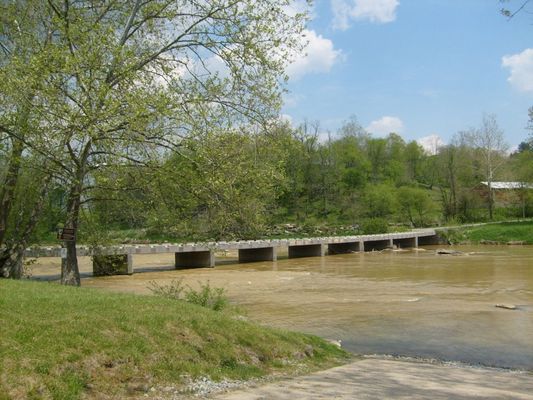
(382, 378)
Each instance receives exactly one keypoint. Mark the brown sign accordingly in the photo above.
(66, 234)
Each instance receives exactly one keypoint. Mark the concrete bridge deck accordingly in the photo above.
(190, 255)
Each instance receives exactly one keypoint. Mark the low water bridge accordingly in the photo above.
(114, 260)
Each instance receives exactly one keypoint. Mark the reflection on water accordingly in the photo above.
(412, 303)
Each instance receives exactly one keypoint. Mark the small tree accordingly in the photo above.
(415, 204)
(379, 201)
(489, 142)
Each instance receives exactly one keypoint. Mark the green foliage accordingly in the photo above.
(142, 149)
(27, 192)
(206, 296)
(379, 201)
(374, 225)
(454, 236)
(105, 86)
(174, 290)
(416, 205)
(220, 187)
(115, 264)
(235, 184)
(502, 232)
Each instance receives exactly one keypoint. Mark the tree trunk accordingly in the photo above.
(491, 200)
(7, 193)
(12, 255)
(11, 262)
(523, 198)
(70, 273)
(447, 202)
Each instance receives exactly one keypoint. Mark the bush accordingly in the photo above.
(374, 225)
(416, 205)
(379, 201)
(206, 296)
(172, 291)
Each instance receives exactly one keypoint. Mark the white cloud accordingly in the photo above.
(162, 77)
(320, 55)
(216, 65)
(292, 99)
(431, 143)
(287, 118)
(385, 125)
(300, 7)
(521, 66)
(379, 11)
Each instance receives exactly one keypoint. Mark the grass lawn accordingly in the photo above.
(66, 343)
(498, 232)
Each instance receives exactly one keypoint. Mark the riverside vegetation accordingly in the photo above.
(285, 183)
(515, 232)
(206, 296)
(115, 345)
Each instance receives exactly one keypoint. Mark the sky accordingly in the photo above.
(420, 68)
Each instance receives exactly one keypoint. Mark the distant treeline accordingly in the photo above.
(239, 185)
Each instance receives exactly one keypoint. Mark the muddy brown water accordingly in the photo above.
(404, 303)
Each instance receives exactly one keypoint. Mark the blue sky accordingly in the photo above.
(416, 67)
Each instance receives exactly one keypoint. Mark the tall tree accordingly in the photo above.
(21, 77)
(130, 80)
(489, 141)
(522, 172)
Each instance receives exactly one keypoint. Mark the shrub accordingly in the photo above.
(172, 291)
(207, 296)
(374, 225)
(379, 201)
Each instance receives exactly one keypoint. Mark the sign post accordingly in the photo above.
(66, 234)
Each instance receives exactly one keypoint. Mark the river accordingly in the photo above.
(412, 303)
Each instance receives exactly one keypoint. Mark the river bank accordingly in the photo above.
(495, 233)
(415, 303)
(71, 343)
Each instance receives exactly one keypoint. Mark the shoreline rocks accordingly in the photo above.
(506, 306)
(449, 252)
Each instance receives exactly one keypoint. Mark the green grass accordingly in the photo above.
(503, 232)
(66, 343)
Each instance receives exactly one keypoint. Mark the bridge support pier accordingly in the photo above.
(194, 259)
(259, 254)
(429, 240)
(344, 248)
(406, 242)
(377, 245)
(307, 250)
(113, 264)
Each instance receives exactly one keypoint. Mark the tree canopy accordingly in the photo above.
(111, 83)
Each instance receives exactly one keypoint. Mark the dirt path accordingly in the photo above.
(378, 378)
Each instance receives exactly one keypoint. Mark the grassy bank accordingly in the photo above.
(503, 232)
(66, 343)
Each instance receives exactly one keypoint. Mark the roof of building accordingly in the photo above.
(509, 185)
